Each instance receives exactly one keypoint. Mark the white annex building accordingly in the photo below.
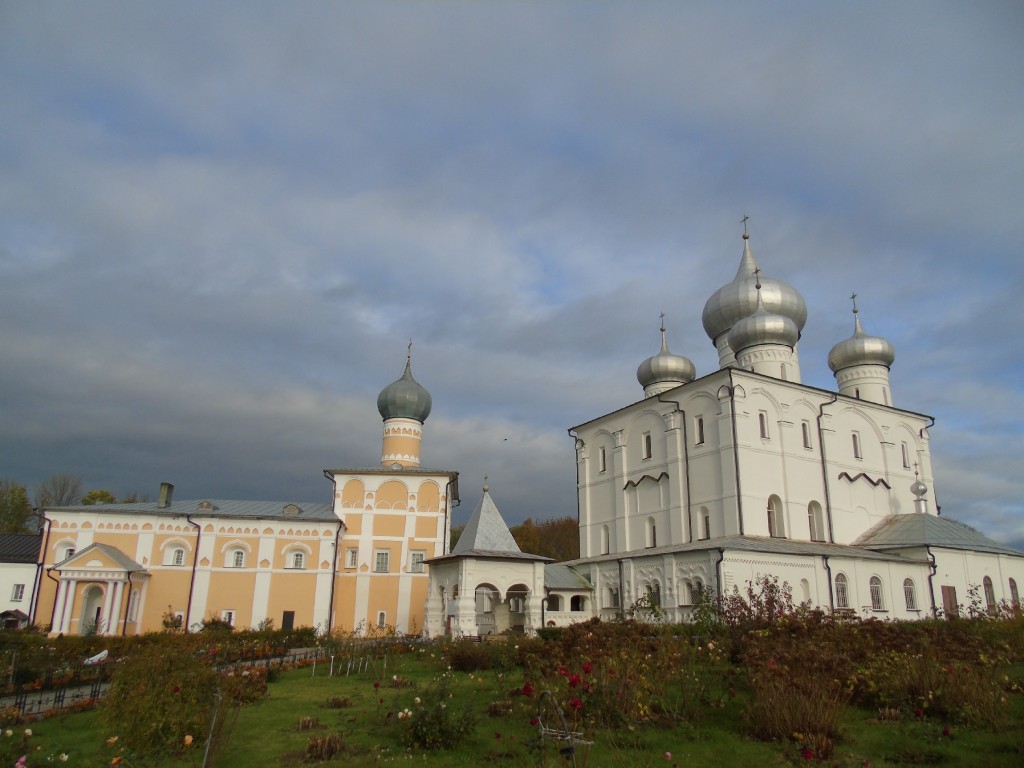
(713, 482)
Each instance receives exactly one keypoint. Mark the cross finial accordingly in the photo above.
(662, 322)
(408, 354)
(486, 486)
(853, 298)
(757, 278)
(915, 469)
(743, 221)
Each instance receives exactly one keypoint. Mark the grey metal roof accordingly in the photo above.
(559, 576)
(486, 554)
(756, 544)
(486, 531)
(228, 508)
(924, 530)
(19, 547)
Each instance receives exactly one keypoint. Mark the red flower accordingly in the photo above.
(919, 713)
(177, 689)
(574, 680)
(497, 735)
(527, 689)
(576, 704)
(588, 667)
(808, 753)
(534, 720)
(563, 672)
(376, 684)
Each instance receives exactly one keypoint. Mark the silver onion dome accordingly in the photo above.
(918, 488)
(763, 327)
(860, 349)
(405, 398)
(738, 299)
(664, 367)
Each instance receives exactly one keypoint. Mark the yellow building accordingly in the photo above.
(356, 562)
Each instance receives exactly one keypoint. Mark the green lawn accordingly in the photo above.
(268, 733)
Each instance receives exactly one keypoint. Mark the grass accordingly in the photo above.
(269, 733)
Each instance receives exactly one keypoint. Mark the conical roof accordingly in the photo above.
(486, 531)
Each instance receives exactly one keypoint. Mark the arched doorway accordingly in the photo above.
(91, 620)
(517, 596)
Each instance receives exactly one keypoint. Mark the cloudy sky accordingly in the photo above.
(220, 223)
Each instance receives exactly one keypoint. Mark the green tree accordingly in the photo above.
(456, 534)
(558, 539)
(15, 509)
(98, 496)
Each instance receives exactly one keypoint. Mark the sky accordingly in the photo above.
(221, 223)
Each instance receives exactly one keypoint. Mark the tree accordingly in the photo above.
(98, 496)
(60, 490)
(527, 536)
(456, 534)
(558, 539)
(15, 509)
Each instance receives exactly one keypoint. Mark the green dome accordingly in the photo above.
(404, 399)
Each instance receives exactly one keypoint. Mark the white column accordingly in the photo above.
(108, 598)
(69, 605)
(58, 603)
(115, 608)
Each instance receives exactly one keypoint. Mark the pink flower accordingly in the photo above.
(668, 755)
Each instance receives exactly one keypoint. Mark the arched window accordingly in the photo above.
(654, 594)
(647, 446)
(816, 521)
(382, 619)
(178, 556)
(698, 431)
(775, 526)
(842, 593)
(877, 602)
(805, 590)
(856, 446)
(605, 540)
(694, 591)
(576, 603)
(707, 522)
(910, 594)
(236, 558)
(652, 533)
(554, 603)
(762, 423)
(298, 560)
(990, 595)
(1014, 596)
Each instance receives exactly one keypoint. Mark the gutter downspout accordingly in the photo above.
(450, 504)
(824, 474)
(40, 563)
(935, 495)
(622, 591)
(53, 613)
(934, 568)
(195, 564)
(831, 597)
(735, 450)
(719, 588)
(686, 465)
(337, 540)
(576, 442)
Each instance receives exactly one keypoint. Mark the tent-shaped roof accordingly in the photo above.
(922, 530)
(487, 535)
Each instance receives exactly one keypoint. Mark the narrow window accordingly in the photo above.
(906, 456)
(693, 592)
(707, 524)
(602, 460)
(875, 585)
(762, 420)
(856, 445)
(990, 595)
(775, 527)
(288, 620)
(382, 619)
(856, 393)
(178, 557)
(698, 431)
(351, 557)
(653, 533)
(805, 428)
(383, 561)
(68, 552)
(605, 540)
(647, 445)
(910, 594)
(805, 591)
(238, 559)
(842, 594)
(228, 617)
(815, 521)
(19, 593)
(1014, 596)
(298, 560)
(416, 562)
(612, 598)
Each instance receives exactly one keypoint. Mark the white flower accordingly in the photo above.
(416, 700)
(28, 731)
(8, 732)
(63, 757)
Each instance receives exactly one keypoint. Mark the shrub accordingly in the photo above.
(158, 697)
(325, 747)
(436, 723)
(786, 701)
(469, 656)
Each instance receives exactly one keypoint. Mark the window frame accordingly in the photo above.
(237, 557)
(858, 452)
(646, 446)
(990, 594)
(910, 594)
(842, 585)
(228, 616)
(18, 593)
(877, 592)
(178, 556)
(382, 556)
(805, 430)
(417, 565)
(602, 459)
(762, 425)
(698, 430)
(352, 557)
(297, 560)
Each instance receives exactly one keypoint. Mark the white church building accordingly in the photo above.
(713, 482)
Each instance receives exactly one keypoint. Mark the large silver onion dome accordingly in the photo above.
(665, 368)
(860, 349)
(738, 299)
(763, 327)
(405, 398)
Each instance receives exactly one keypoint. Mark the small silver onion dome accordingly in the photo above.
(860, 349)
(405, 398)
(763, 327)
(918, 488)
(738, 299)
(664, 367)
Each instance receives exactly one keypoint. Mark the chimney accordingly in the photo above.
(166, 492)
